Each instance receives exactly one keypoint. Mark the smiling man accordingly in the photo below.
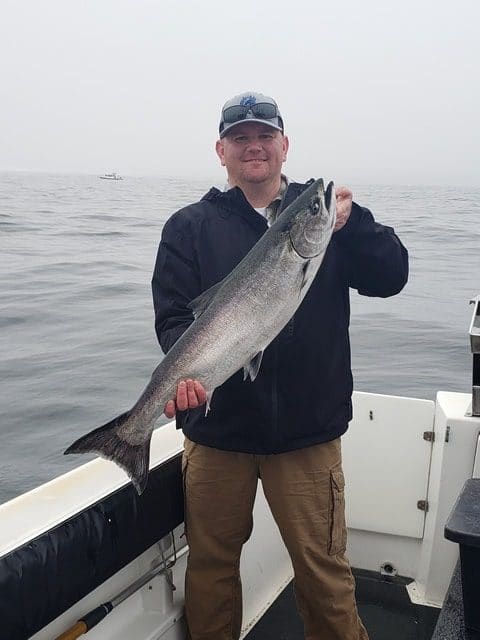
(253, 153)
(284, 427)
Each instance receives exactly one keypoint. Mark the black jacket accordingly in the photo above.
(302, 394)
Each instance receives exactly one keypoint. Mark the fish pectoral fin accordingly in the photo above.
(202, 302)
(253, 366)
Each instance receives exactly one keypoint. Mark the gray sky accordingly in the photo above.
(372, 91)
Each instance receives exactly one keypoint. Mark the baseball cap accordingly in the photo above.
(250, 107)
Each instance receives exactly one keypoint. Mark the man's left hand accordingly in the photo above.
(344, 206)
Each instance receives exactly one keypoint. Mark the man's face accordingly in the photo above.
(252, 152)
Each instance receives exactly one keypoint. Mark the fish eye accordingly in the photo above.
(315, 206)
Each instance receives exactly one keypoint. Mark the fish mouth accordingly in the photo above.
(329, 192)
(310, 239)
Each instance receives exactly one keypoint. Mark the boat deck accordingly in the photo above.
(383, 603)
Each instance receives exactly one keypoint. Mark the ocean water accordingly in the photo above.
(77, 341)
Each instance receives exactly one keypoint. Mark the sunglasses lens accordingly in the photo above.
(234, 114)
(264, 110)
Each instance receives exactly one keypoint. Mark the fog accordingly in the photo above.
(370, 92)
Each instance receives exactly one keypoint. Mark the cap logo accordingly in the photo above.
(248, 101)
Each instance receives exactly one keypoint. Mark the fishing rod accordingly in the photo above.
(93, 617)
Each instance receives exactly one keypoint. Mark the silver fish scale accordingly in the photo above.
(237, 325)
(252, 306)
(245, 313)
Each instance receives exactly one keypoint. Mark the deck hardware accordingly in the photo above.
(92, 618)
(167, 568)
(422, 505)
(447, 434)
(388, 569)
(370, 415)
(429, 436)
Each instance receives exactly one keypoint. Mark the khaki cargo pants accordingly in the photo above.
(305, 492)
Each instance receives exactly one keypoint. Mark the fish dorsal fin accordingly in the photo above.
(252, 368)
(202, 302)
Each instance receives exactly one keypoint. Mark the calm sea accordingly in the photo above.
(77, 342)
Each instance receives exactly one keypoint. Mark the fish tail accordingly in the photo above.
(106, 442)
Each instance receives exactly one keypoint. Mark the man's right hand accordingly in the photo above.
(190, 395)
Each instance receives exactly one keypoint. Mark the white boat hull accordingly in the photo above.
(389, 468)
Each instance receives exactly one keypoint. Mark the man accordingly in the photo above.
(284, 427)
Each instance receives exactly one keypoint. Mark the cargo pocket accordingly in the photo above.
(338, 529)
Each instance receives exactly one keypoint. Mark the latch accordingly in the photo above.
(422, 505)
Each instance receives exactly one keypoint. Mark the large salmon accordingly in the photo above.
(235, 321)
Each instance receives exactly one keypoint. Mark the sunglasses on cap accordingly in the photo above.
(238, 112)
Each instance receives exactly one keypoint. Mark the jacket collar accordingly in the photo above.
(233, 202)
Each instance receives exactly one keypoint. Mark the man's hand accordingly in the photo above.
(344, 206)
(190, 395)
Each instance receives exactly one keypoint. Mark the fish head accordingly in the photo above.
(311, 219)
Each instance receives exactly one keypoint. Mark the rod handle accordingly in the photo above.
(88, 621)
(78, 629)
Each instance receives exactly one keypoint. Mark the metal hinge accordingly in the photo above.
(422, 505)
(429, 436)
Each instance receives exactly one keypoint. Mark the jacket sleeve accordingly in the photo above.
(376, 262)
(175, 281)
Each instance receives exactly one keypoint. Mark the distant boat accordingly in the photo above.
(111, 176)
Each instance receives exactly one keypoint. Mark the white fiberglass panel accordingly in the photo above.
(476, 463)
(386, 463)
